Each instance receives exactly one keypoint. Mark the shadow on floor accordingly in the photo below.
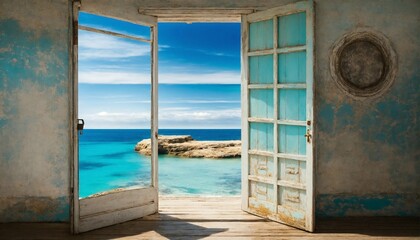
(371, 226)
(169, 227)
(160, 226)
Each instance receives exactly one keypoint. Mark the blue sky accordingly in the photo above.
(199, 75)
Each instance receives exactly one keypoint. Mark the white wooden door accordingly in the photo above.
(277, 120)
(120, 205)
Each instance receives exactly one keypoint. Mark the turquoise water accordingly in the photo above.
(107, 160)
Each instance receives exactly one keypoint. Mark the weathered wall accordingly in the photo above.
(34, 110)
(368, 151)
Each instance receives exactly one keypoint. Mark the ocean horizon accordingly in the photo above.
(107, 161)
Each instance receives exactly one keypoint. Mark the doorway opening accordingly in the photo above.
(276, 118)
(199, 97)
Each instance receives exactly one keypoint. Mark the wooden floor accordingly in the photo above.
(219, 218)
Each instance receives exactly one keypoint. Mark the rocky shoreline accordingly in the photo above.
(186, 146)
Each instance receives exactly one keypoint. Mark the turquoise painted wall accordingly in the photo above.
(368, 151)
(34, 110)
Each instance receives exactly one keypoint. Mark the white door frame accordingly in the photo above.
(192, 15)
(111, 208)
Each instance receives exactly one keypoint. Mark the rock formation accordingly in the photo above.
(186, 146)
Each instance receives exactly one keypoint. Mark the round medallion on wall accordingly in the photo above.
(363, 63)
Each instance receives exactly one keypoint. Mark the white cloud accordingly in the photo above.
(110, 96)
(202, 101)
(200, 115)
(225, 77)
(119, 117)
(180, 101)
(174, 109)
(111, 77)
(93, 46)
(133, 101)
(172, 114)
(168, 118)
(115, 77)
(101, 46)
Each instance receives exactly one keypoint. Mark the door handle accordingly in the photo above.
(80, 125)
(308, 136)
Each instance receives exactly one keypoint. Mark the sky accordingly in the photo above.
(199, 75)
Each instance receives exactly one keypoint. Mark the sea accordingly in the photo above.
(107, 161)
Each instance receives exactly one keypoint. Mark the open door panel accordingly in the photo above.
(121, 204)
(277, 120)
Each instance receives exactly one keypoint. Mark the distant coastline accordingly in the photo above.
(186, 146)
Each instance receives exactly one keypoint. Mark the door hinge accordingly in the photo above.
(76, 7)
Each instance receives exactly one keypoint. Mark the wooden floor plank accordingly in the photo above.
(219, 218)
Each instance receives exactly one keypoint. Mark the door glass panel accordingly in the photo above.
(295, 111)
(292, 67)
(261, 35)
(261, 103)
(292, 139)
(292, 30)
(261, 69)
(261, 136)
(104, 23)
(114, 101)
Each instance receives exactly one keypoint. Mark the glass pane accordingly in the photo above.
(292, 67)
(292, 30)
(261, 136)
(261, 103)
(292, 139)
(261, 35)
(113, 25)
(261, 69)
(114, 100)
(292, 104)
